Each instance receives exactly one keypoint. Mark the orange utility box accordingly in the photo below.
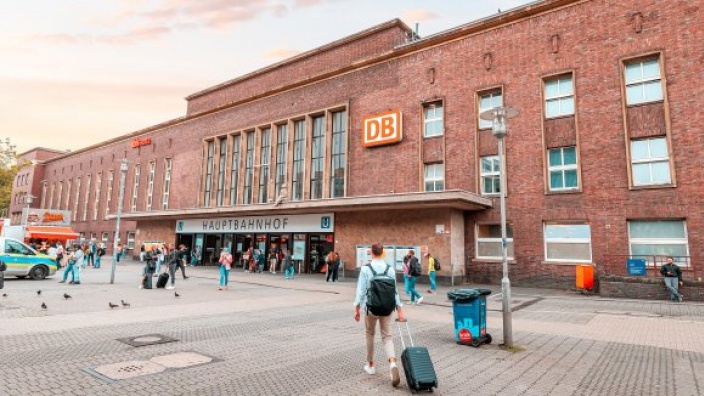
(585, 277)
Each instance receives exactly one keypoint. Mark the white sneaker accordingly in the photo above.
(169, 287)
(371, 370)
(418, 301)
(395, 375)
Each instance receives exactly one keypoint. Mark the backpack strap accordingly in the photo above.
(372, 269)
(386, 271)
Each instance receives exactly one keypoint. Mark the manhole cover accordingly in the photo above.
(181, 360)
(124, 370)
(147, 339)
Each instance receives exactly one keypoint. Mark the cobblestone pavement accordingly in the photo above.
(270, 336)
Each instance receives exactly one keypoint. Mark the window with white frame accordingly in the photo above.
(59, 195)
(104, 238)
(130, 240)
(50, 202)
(489, 241)
(299, 151)
(264, 164)
(78, 197)
(209, 173)
(43, 200)
(433, 119)
(108, 196)
(150, 185)
(98, 190)
(488, 101)
(86, 199)
(643, 81)
(650, 161)
(490, 176)
(167, 184)
(663, 238)
(281, 156)
(562, 168)
(248, 169)
(69, 187)
(222, 158)
(568, 242)
(434, 177)
(235, 169)
(559, 96)
(339, 150)
(317, 158)
(135, 187)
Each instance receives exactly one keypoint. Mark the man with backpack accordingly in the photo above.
(376, 292)
(414, 272)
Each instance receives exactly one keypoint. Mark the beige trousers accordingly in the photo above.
(386, 336)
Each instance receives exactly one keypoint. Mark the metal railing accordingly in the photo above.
(616, 264)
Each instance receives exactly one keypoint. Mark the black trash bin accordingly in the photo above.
(469, 310)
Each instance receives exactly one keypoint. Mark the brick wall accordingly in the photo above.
(647, 288)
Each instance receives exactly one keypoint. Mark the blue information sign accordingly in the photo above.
(636, 267)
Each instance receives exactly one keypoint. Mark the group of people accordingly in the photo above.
(76, 258)
(412, 269)
(158, 256)
(253, 260)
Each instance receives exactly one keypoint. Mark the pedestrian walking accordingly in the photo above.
(413, 273)
(261, 261)
(70, 264)
(376, 292)
(148, 270)
(99, 253)
(289, 269)
(673, 279)
(225, 266)
(273, 259)
(431, 273)
(92, 249)
(119, 251)
(142, 250)
(78, 257)
(406, 270)
(333, 262)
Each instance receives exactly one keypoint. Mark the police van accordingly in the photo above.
(22, 261)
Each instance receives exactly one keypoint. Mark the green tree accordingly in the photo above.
(8, 171)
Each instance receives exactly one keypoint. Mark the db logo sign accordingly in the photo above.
(382, 129)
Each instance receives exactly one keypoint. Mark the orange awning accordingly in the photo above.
(49, 232)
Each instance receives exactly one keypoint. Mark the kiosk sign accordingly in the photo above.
(382, 129)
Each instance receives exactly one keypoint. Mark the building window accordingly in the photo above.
(98, 188)
(559, 96)
(150, 185)
(108, 196)
(135, 187)
(264, 161)
(491, 180)
(562, 165)
(299, 155)
(432, 119)
(130, 240)
(568, 242)
(59, 195)
(489, 241)
(281, 157)
(235, 172)
(43, 201)
(50, 202)
(434, 177)
(643, 81)
(249, 169)
(220, 196)
(104, 238)
(86, 199)
(488, 101)
(69, 189)
(167, 184)
(317, 159)
(656, 240)
(209, 173)
(339, 150)
(650, 162)
(78, 198)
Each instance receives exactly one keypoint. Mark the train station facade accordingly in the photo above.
(376, 138)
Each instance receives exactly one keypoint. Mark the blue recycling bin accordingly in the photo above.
(469, 311)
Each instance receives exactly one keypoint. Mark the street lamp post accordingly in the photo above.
(123, 175)
(499, 117)
(28, 200)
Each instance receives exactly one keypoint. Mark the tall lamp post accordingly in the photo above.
(499, 117)
(123, 175)
(29, 200)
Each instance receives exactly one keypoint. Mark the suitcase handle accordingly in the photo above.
(400, 332)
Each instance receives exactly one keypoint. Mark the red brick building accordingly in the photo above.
(601, 161)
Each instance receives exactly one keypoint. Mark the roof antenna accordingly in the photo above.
(416, 36)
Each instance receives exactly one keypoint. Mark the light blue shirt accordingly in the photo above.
(365, 277)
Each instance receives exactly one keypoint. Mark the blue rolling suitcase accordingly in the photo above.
(417, 366)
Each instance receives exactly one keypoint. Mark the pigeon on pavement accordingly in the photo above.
(125, 304)
(43, 306)
(112, 305)
(176, 295)
(67, 297)
(39, 292)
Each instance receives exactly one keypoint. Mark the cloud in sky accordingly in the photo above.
(279, 53)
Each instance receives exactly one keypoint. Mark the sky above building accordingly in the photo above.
(78, 72)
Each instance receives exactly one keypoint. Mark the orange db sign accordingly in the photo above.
(382, 129)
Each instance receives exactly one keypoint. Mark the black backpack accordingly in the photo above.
(437, 264)
(415, 269)
(381, 294)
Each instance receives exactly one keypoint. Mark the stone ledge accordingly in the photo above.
(646, 288)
